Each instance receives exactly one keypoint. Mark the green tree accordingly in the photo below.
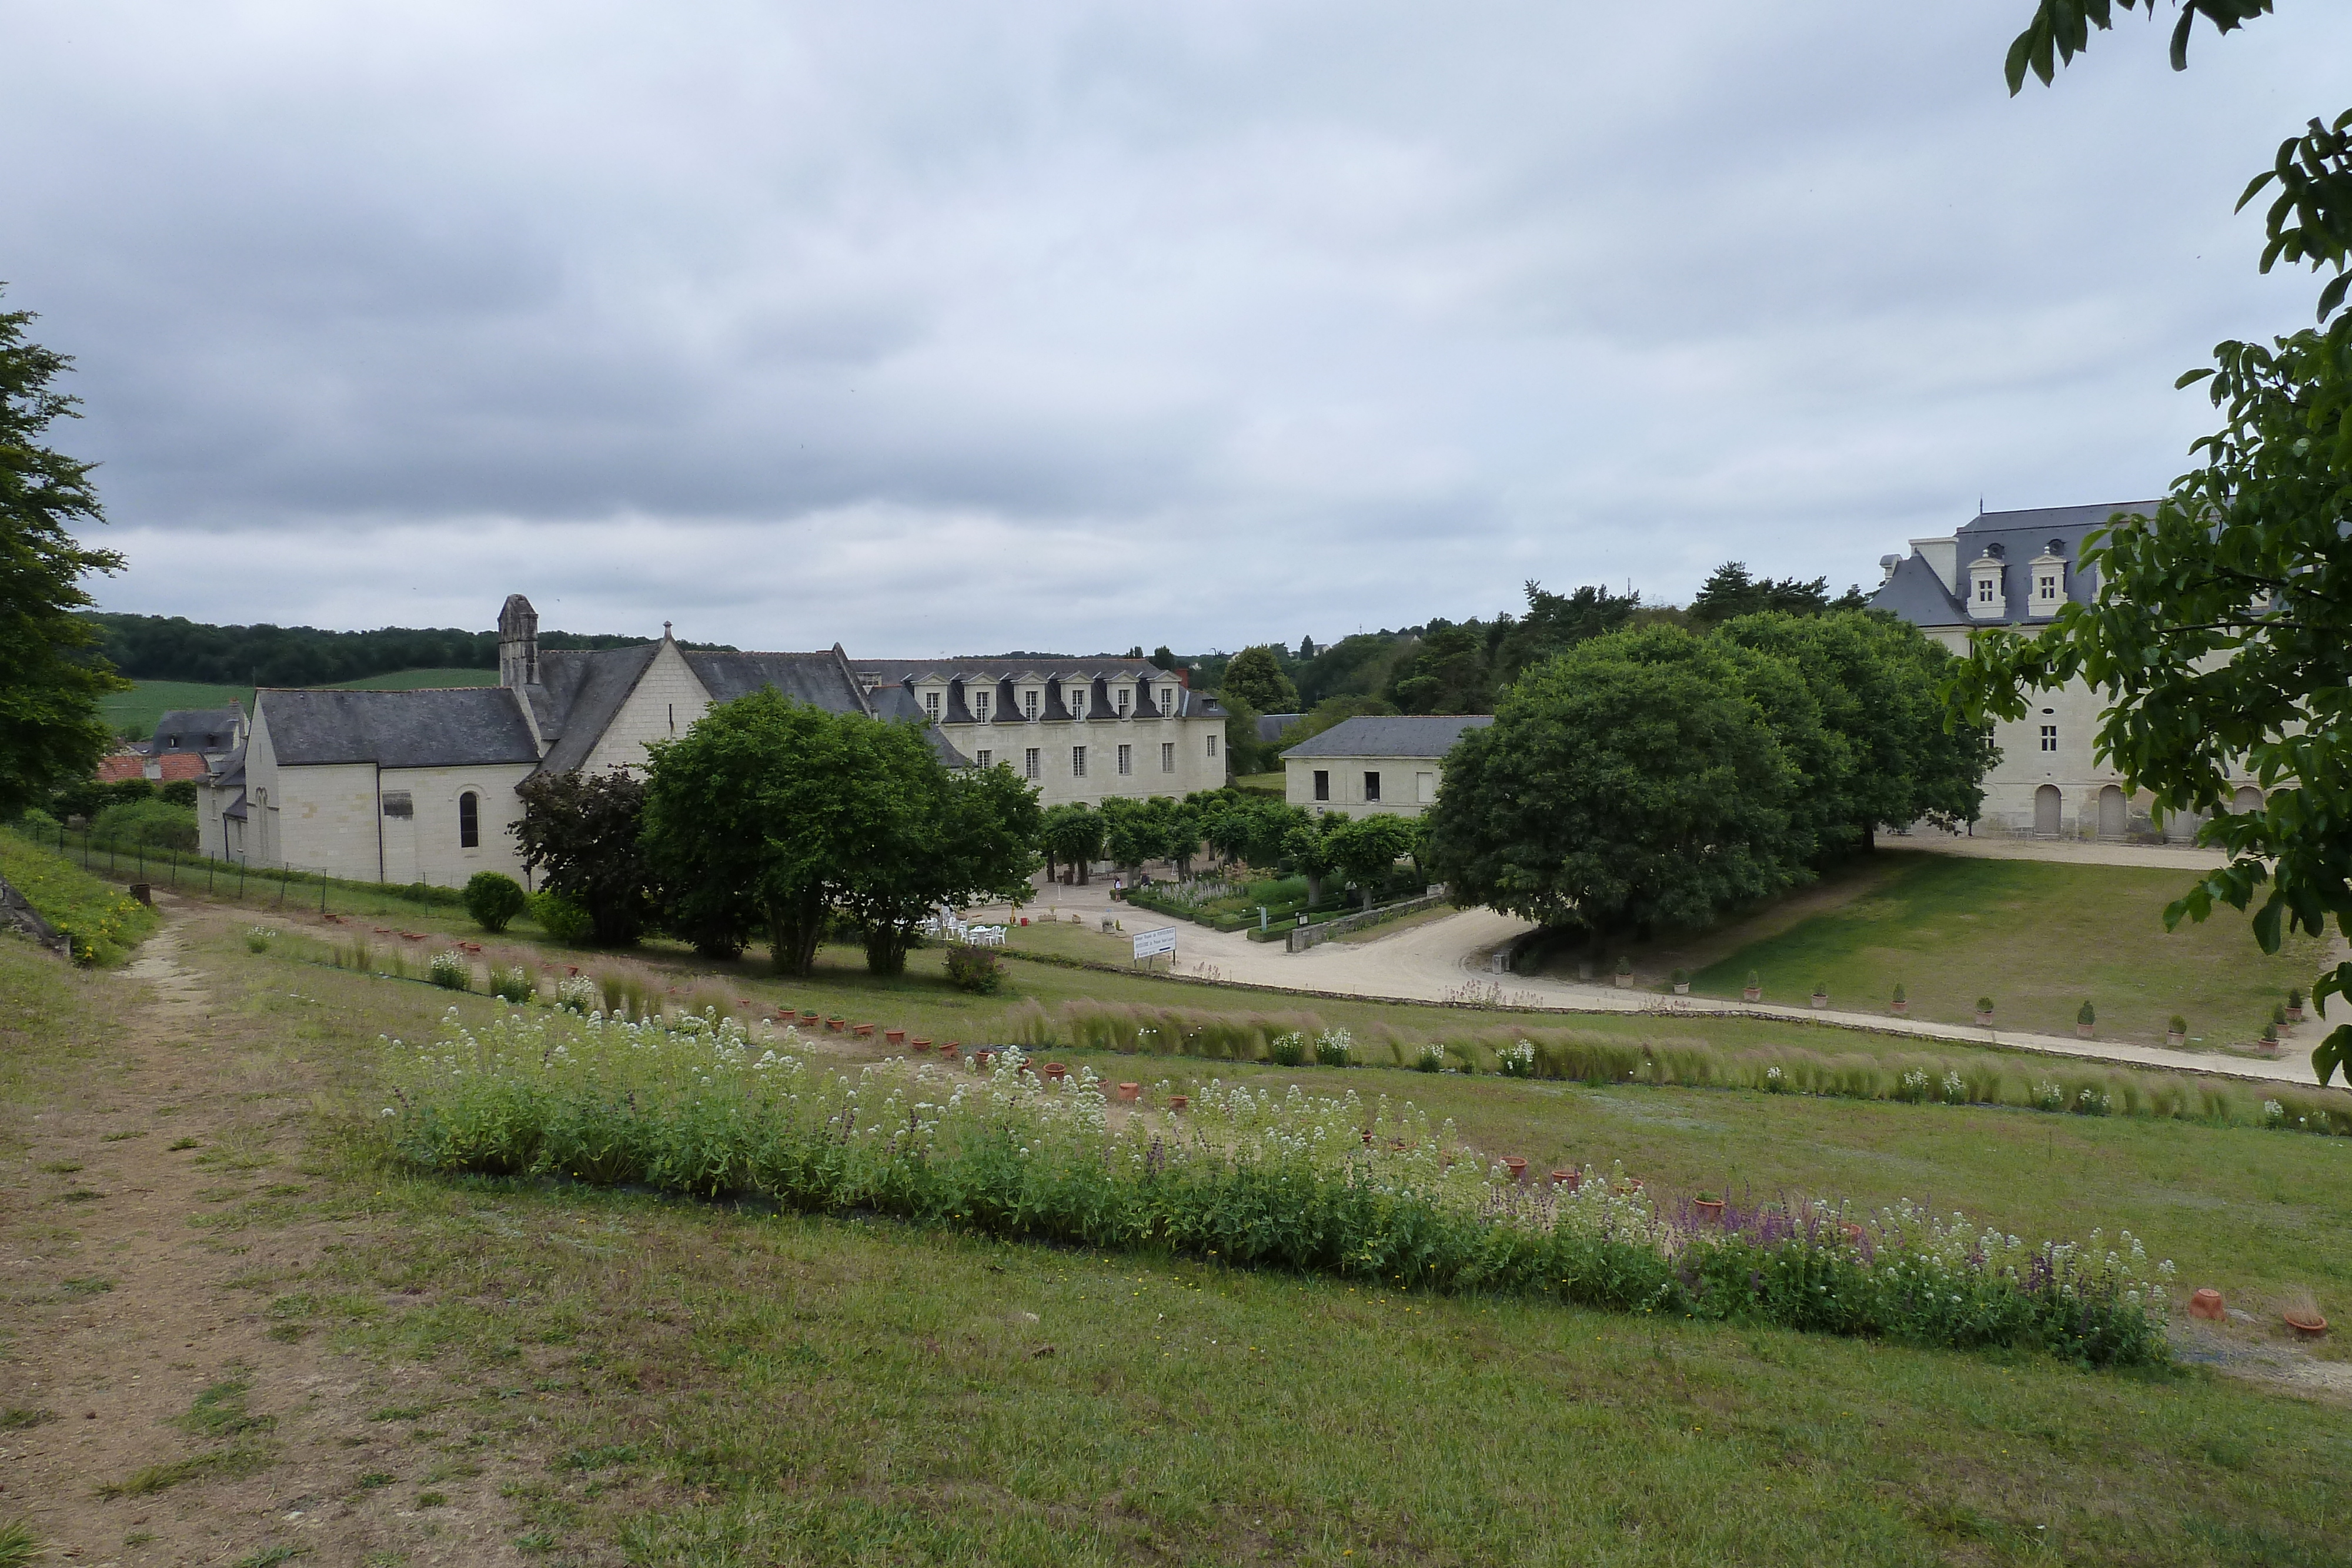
(2223, 632)
(1618, 792)
(494, 898)
(581, 830)
(1132, 833)
(1731, 592)
(1308, 847)
(50, 733)
(1072, 833)
(936, 839)
(1367, 848)
(1255, 676)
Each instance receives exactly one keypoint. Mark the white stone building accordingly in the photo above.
(420, 786)
(2015, 569)
(1389, 764)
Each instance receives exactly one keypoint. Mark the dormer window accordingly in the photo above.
(1987, 602)
(1074, 697)
(1984, 591)
(1029, 700)
(1167, 701)
(2049, 580)
(980, 706)
(1124, 697)
(931, 706)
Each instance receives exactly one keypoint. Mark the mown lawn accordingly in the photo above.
(706, 1386)
(2040, 939)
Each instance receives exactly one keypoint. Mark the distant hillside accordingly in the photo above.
(172, 648)
(133, 712)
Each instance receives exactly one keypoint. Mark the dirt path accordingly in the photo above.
(138, 1290)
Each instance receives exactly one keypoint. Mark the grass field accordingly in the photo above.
(609, 1377)
(148, 701)
(2040, 939)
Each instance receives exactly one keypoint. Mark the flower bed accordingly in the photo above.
(1332, 1186)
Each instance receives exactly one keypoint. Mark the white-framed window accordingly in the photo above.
(1984, 591)
(931, 706)
(1212, 745)
(1123, 698)
(1077, 762)
(1167, 757)
(2049, 738)
(1029, 704)
(1029, 765)
(1167, 701)
(1073, 699)
(979, 700)
(2045, 585)
(985, 757)
(1125, 760)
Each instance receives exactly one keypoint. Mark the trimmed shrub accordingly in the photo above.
(493, 899)
(562, 920)
(974, 969)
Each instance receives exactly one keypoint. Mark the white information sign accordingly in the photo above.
(1151, 944)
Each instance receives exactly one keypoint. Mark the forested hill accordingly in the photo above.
(173, 648)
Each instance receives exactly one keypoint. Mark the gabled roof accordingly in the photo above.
(209, 729)
(583, 690)
(889, 672)
(1270, 725)
(1916, 594)
(1390, 735)
(822, 680)
(445, 728)
(2016, 538)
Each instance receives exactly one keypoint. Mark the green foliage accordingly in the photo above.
(974, 969)
(1072, 836)
(513, 984)
(103, 922)
(50, 730)
(173, 648)
(451, 972)
(151, 824)
(1255, 677)
(562, 919)
(1299, 1183)
(18, 1544)
(494, 899)
(1464, 668)
(1367, 849)
(1731, 592)
(2063, 27)
(582, 831)
(2178, 1024)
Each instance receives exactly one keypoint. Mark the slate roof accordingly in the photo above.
(1084, 682)
(897, 705)
(1918, 594)
(823, 680)
(1390, 735)
(579, 692)
(1270, 725)
(436, 727)
(208, 729)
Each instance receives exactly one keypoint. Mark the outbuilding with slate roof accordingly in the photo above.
(1389, 763)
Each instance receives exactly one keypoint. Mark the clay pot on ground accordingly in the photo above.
(1178, 1102)
(2267, 1047)
(1130, 1093)
(983, 1060)
(2294, 1014)
(1902, 1009)
(1516, 1166)
(1752, 994)
(895, 1036)
(1055, 1072)
(2085, 1030)
(923, 1044)
(1624, 982)
(1821, 999)
(2174, 1039)
(864, 1031)
(1710, 1210)
(2207, 1303)
(1984, 1020)
(2308, 1325)
(805, 1017)
(1568, 1179)
(947, 1051)
(836, 1025)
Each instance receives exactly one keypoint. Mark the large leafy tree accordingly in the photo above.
(933, 838)
(2223, 627)
(1072, 833)
(1255, 676)
(50, 733)
(1731, 591)
(1367, 849)
(581, 831)
(1623, 787)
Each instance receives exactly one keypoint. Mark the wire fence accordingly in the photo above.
(280, 887)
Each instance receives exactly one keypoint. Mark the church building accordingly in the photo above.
(419, 785)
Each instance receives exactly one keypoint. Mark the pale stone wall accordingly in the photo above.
(1408, 784)
(1191, 765)
(426, 848)
(668, 699)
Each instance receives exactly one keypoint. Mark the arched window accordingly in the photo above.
(469, 821)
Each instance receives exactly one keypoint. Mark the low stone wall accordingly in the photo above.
(1302, 937)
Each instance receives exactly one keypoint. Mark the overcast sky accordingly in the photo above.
(932, 328)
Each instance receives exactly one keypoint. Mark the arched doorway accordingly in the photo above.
(2249, 799)
(2045, 812)
(2111, 812)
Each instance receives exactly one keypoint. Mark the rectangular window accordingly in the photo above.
(1167, 757)
(1984, 591)
(1322, 785)
(1212, 745)
(1122, 701)
(980, 706)
(1077, 762)
(985, 757)
(1372, 785)
(1073, 698)
(2049, 588)
(1029, 766)
(1167, 701)
(399, 803)
(1125, 760)
(931, 706)
(2049, 738)
(1029, 703)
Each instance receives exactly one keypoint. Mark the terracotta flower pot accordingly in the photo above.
(1568, 1179)
(898, 1037)
(2294, 1015)
(1710, 1210)
(922, 1044)
(981, 1060)
(1984, 1020)
(1902, 1009)
(2085, 1030)
(1821, 999)
(805, 1017)
(2207, 1303)
(947, 1051)
(2267, 1047)
(1055, 1072)
(1752, 994)
(2174, 1039)
(1623, 982)
(2309, 1326)
(836, 1025)
(865, 1031)
(1516, 1166)
(1130, 1093)
(1178, 1102)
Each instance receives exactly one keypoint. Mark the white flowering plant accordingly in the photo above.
(1342, 1186)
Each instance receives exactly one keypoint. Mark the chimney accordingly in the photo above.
(1886, 565)
(1184, 677)
(518, 644)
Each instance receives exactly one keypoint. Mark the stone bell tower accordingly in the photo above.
(518, 642)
